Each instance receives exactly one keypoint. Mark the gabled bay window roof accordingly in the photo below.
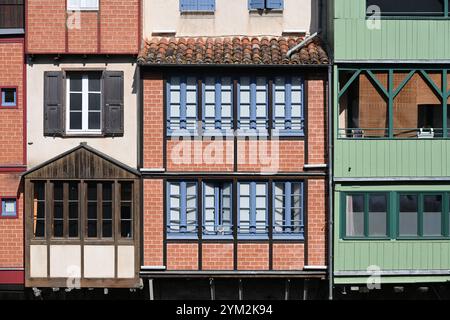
(232, 51)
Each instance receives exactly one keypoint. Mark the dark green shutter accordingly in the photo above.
(54, 103)
(113, 113)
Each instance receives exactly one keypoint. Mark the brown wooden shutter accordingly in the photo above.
(113, 113)
(54, 103)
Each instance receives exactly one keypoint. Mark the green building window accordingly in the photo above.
(394, 104)
(366, 215)
(415, 215)
(421, 215)
(400, 8)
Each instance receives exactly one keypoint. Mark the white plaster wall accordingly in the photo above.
(42, 148)
(231, 17)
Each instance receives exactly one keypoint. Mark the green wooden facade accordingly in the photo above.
(396, 39)
(384, 164)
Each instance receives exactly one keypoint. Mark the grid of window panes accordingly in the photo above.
(182, 99)
(288, 104)
(217, 209)
(218, 103)
(39, 209)
(182, 207)
(126, 209)
(288, 208)
(417, 215)
(252, 208)
(85, 112)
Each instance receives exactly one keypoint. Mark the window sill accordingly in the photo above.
(9, 217)
(409, 17)
(253, 236)
(6, 106)
(182, 236)
(362, 239)
(297, 237)
(217, 237)
(81, 10)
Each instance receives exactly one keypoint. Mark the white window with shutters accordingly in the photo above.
(82, 5)
(84, 103)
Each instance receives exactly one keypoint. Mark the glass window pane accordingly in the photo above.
(94, 101)
(377, 224)
(94, 82)
(76, 83)
(377, 215)
(58, 191)
(76, 121)
(408, 225)
(94, 120)
(432, 215)
(126, 191)
(355, 216)
(9, 95)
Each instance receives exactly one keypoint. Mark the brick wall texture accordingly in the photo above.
(114, 29)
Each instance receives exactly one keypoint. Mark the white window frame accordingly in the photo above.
(84, 109)
(82, 5)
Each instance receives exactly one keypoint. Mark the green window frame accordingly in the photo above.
(367, 215)
(390, 92)
(393, 215)
(421, 211)
(396, 14)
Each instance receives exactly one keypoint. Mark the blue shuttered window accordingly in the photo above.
(217, 212)
(218, 103)
(288, 209)
(288, 106)
(274, 4)
(182, 104)
(265, 4)
(252, 209)
(197, 5)
(253, 103)
(182, 209)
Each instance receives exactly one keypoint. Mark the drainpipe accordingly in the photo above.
(330, 183)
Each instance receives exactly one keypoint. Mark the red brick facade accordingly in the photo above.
(114, 29)
(11, 229)
(206, 157)
(11, 119)
(12, 157)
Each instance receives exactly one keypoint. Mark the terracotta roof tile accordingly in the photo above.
(236, 50)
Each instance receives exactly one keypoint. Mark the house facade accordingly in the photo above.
(82, 186)
(233, 150)
(168, 149)
(13, 157)
(390, 143)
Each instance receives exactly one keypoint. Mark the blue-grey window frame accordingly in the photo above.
(5, 104)
(3, 208)
(189, 8)
(252, 213)
(253, 119)
(183, 215)
(183, 106)
(288, 109)
(218, 106)
(217, 212)
(265, 5)
(287, 210)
